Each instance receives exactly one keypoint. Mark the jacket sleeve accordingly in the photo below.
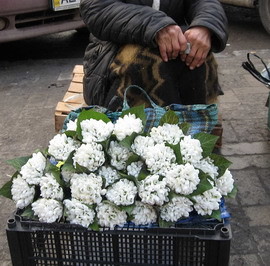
(210, 14)
(116, 21)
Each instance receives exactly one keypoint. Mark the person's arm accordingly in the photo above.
(116, 21)
(207, 31)
(209, 14)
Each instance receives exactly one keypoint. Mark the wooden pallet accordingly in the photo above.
(73, 98)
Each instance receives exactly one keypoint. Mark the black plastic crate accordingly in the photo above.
(35, 243)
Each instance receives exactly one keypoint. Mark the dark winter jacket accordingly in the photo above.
(115, 22)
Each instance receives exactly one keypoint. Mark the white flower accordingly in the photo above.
(50, 188)
(79, 213)
(141, 144)
(33, 169)
(21, 192)
(110, 216)
(143, 214)
(167, 133)
(119, 155)
(72, 125)
(47, 210)
(207, 202)
(191, 150)
(159, 158)
(87, 188)
(61, 146)
(122, 192)
(96, 130)
(183, 178)
(153, 191)
(90, 156)
(225, 183)
(176, 209)
(134, 168)
(208, 167)
(127, 125)
(109, 174)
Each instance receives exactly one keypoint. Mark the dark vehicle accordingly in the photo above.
(21, 19)
(262, 5)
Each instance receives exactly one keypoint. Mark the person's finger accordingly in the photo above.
(190, 56)
(196, 60)
(175, 49)
(201, 60)
(183, 43)
(163, 53)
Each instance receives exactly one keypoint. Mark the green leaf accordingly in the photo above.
(28, 213)
(143, 174)
(233, 193)
(173, 194)
(216, 214)
(177, 152)
(88, 114)
(128, 141)
(138, 111)
(5, 190)
(70, 133)
(17, 163)
(164, 224)
(222, 163)
(185, 127)
(128, 209)
(68, 165)
(81, 169)
(203, 186)
(208, 142)
(46, 152)
(128, 177)
(170, 117)
(51, 168)
(132, 159)
(95, 226)
(55, 171)
(106, 143)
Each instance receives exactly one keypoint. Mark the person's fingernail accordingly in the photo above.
(191, 68)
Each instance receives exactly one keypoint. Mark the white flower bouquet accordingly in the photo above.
(100, 173)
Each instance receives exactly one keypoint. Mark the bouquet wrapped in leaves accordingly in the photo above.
(104, 173)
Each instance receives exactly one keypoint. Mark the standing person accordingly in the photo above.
(165, 28)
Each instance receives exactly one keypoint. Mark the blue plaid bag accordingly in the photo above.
(201, 117)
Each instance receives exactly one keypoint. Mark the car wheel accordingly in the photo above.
(264, 10)
(83, 30)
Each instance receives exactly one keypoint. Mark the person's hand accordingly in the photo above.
(171, 42)
(200, 41)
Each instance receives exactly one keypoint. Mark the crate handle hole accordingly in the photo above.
(11, 223)
(224, 232)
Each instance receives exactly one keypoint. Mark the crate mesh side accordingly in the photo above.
(71, 248)
(145, 250)
(191, 251)
(123, 248)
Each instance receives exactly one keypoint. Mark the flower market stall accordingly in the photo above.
(114, 189)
